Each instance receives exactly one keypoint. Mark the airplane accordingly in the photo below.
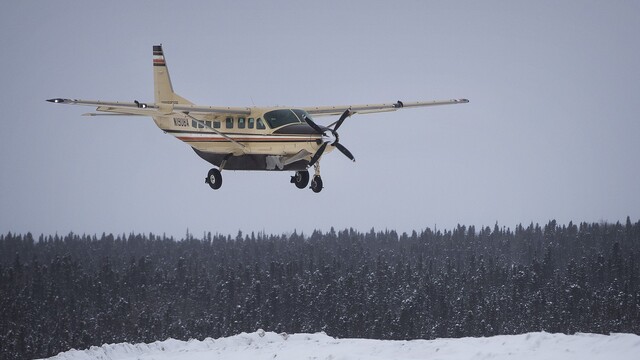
(246, 138)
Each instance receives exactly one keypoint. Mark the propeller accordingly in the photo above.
(317, 155)
(344, 115)
(334, 132)
(315, 126)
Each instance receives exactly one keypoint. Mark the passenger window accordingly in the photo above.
(229, 123)
(208, 122)
(260, 125)
(251, 122)
(216, 124)
(194, 124)
(241, 123)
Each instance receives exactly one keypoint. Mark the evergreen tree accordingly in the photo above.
(59, 292)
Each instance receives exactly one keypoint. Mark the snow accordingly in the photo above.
(269, 345)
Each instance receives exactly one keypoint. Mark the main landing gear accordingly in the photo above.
(301, 179)
(214, 179)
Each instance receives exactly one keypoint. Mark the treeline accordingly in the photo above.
(75, 291)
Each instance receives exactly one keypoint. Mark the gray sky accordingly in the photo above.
(551, 131)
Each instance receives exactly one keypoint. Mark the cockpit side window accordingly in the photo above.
(260, 124)
(281, 117)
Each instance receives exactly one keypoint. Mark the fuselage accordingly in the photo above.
(264, 139)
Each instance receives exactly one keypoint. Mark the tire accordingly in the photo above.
(301, 179)
(214, 179)
(316, 184)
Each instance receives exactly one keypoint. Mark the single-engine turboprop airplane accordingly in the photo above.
(246, 138)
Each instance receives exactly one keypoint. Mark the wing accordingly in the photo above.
(137, 108)
(374, 108)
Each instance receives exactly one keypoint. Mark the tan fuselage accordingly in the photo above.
(248, 138)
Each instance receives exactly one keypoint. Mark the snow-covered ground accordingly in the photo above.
(267, 345)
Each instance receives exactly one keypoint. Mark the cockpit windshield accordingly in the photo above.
(278, 118)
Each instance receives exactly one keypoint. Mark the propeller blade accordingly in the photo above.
(345, 151)
(317, 155)
(315, 126)
(344, 115)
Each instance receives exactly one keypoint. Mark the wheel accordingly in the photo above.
(301, 179)
(316, 184)
(214, 179)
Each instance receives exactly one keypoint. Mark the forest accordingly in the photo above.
(59, 292)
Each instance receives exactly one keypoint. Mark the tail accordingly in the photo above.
(163, 90)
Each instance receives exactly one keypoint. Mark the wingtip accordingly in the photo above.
(58, 100)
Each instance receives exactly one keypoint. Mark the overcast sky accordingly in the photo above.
(551, 130)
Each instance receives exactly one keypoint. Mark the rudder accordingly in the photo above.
(163, 90)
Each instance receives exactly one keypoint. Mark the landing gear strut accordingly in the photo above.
(301, 179)
(214, 179)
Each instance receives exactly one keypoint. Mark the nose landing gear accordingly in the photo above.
(316, 182)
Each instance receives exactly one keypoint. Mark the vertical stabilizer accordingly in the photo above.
(163, 90)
